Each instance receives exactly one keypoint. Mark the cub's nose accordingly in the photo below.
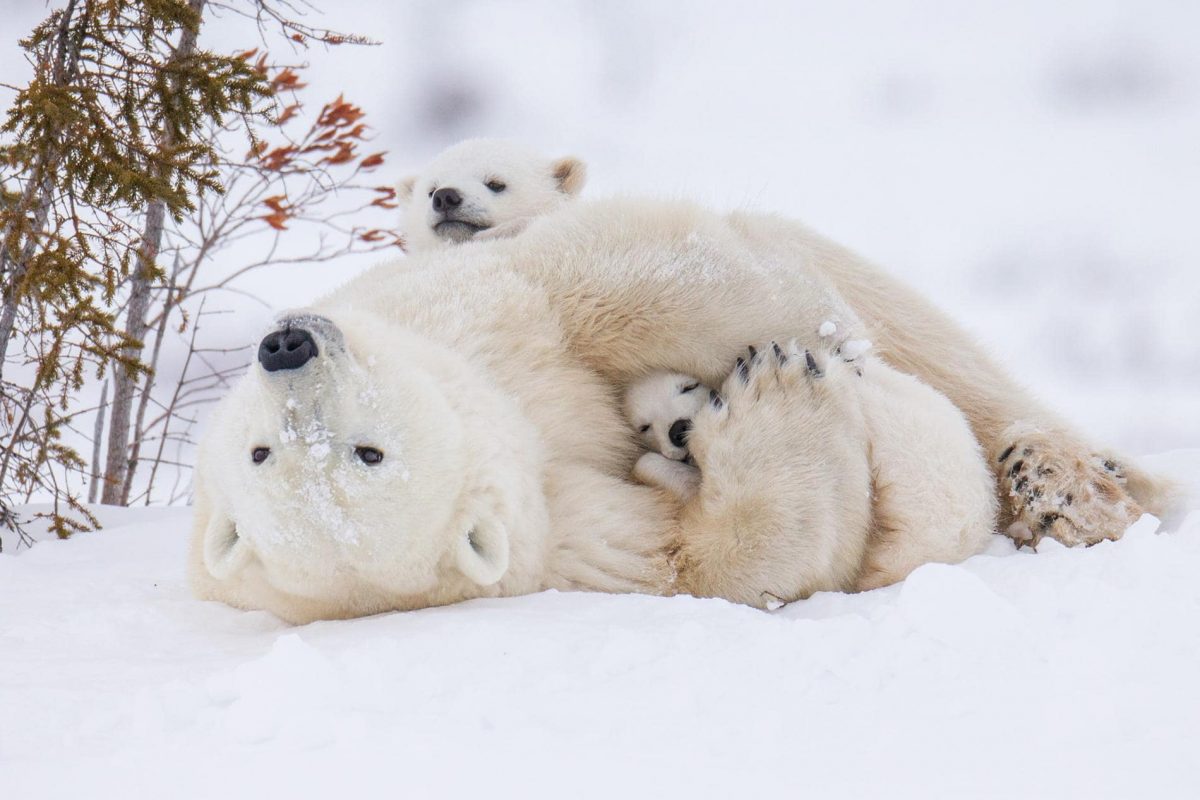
(679, 431)
(446, 200)
(290, 348)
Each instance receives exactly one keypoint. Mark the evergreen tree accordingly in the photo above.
(105, 143)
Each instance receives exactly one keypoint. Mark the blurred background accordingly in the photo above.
(1032, 166)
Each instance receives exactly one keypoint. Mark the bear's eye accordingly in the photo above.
(431, 191)
(496, 186)
(368, 455)
(644, 429)
(259, 454)
(688, 388)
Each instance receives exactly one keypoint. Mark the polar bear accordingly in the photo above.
(931, 490)
(484, 188)
(449, 427)
(662, 407)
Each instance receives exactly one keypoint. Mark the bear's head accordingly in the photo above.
(359, 467)
(661, 407)
(484, 188)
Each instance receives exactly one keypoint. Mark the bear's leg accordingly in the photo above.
(617, 534)
(933, 492)
(1066, 492)
(783, 507)
(681, 480)
(918, 338)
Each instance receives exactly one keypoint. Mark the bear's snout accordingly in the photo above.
(446, 200)
(290, 348)
(679, 432)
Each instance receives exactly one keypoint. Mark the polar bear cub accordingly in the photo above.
(484, 188)
(660, 407)
(932, 492)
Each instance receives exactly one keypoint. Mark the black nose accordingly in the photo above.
(679, 431)
(290, 348)
(446, 200)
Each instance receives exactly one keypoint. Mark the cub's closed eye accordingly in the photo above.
(496, 186)
(369, 455)
(688, 388)
(644, 429)
(431, 190)
(259, 454)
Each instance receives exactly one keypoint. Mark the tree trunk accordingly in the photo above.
(117, 465)
(97, 439)
(139, 422)
(119, 468)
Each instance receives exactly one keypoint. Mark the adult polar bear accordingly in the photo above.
(448, 428)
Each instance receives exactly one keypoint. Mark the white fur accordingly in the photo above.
(533, 186)
(931, 491)
(680, 479)
(489, 376)
(654, 403)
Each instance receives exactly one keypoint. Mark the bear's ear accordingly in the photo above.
(482, 552)
(571, 175)
(223, 551)
(404, 189)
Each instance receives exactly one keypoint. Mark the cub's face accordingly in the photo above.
(661, 407)
(339, 473)
(484, 189)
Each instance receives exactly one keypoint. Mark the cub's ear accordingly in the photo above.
(482, 552)
(571, 175)
(404, 189)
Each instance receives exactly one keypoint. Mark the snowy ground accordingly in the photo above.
(1068, 673)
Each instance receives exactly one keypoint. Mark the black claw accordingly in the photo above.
(779, 354)
(812, 365)
(1016, 467)
(743, 370)
(715, 399)
(1020, 485)
(1070, 498)
(1004, 456)
(753, 352)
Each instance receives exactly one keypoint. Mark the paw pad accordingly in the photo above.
(1054, 490)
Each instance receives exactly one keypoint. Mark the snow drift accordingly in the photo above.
(1061, 673)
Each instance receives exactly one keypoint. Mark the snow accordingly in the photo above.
(1069, 672)
(853, 348)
